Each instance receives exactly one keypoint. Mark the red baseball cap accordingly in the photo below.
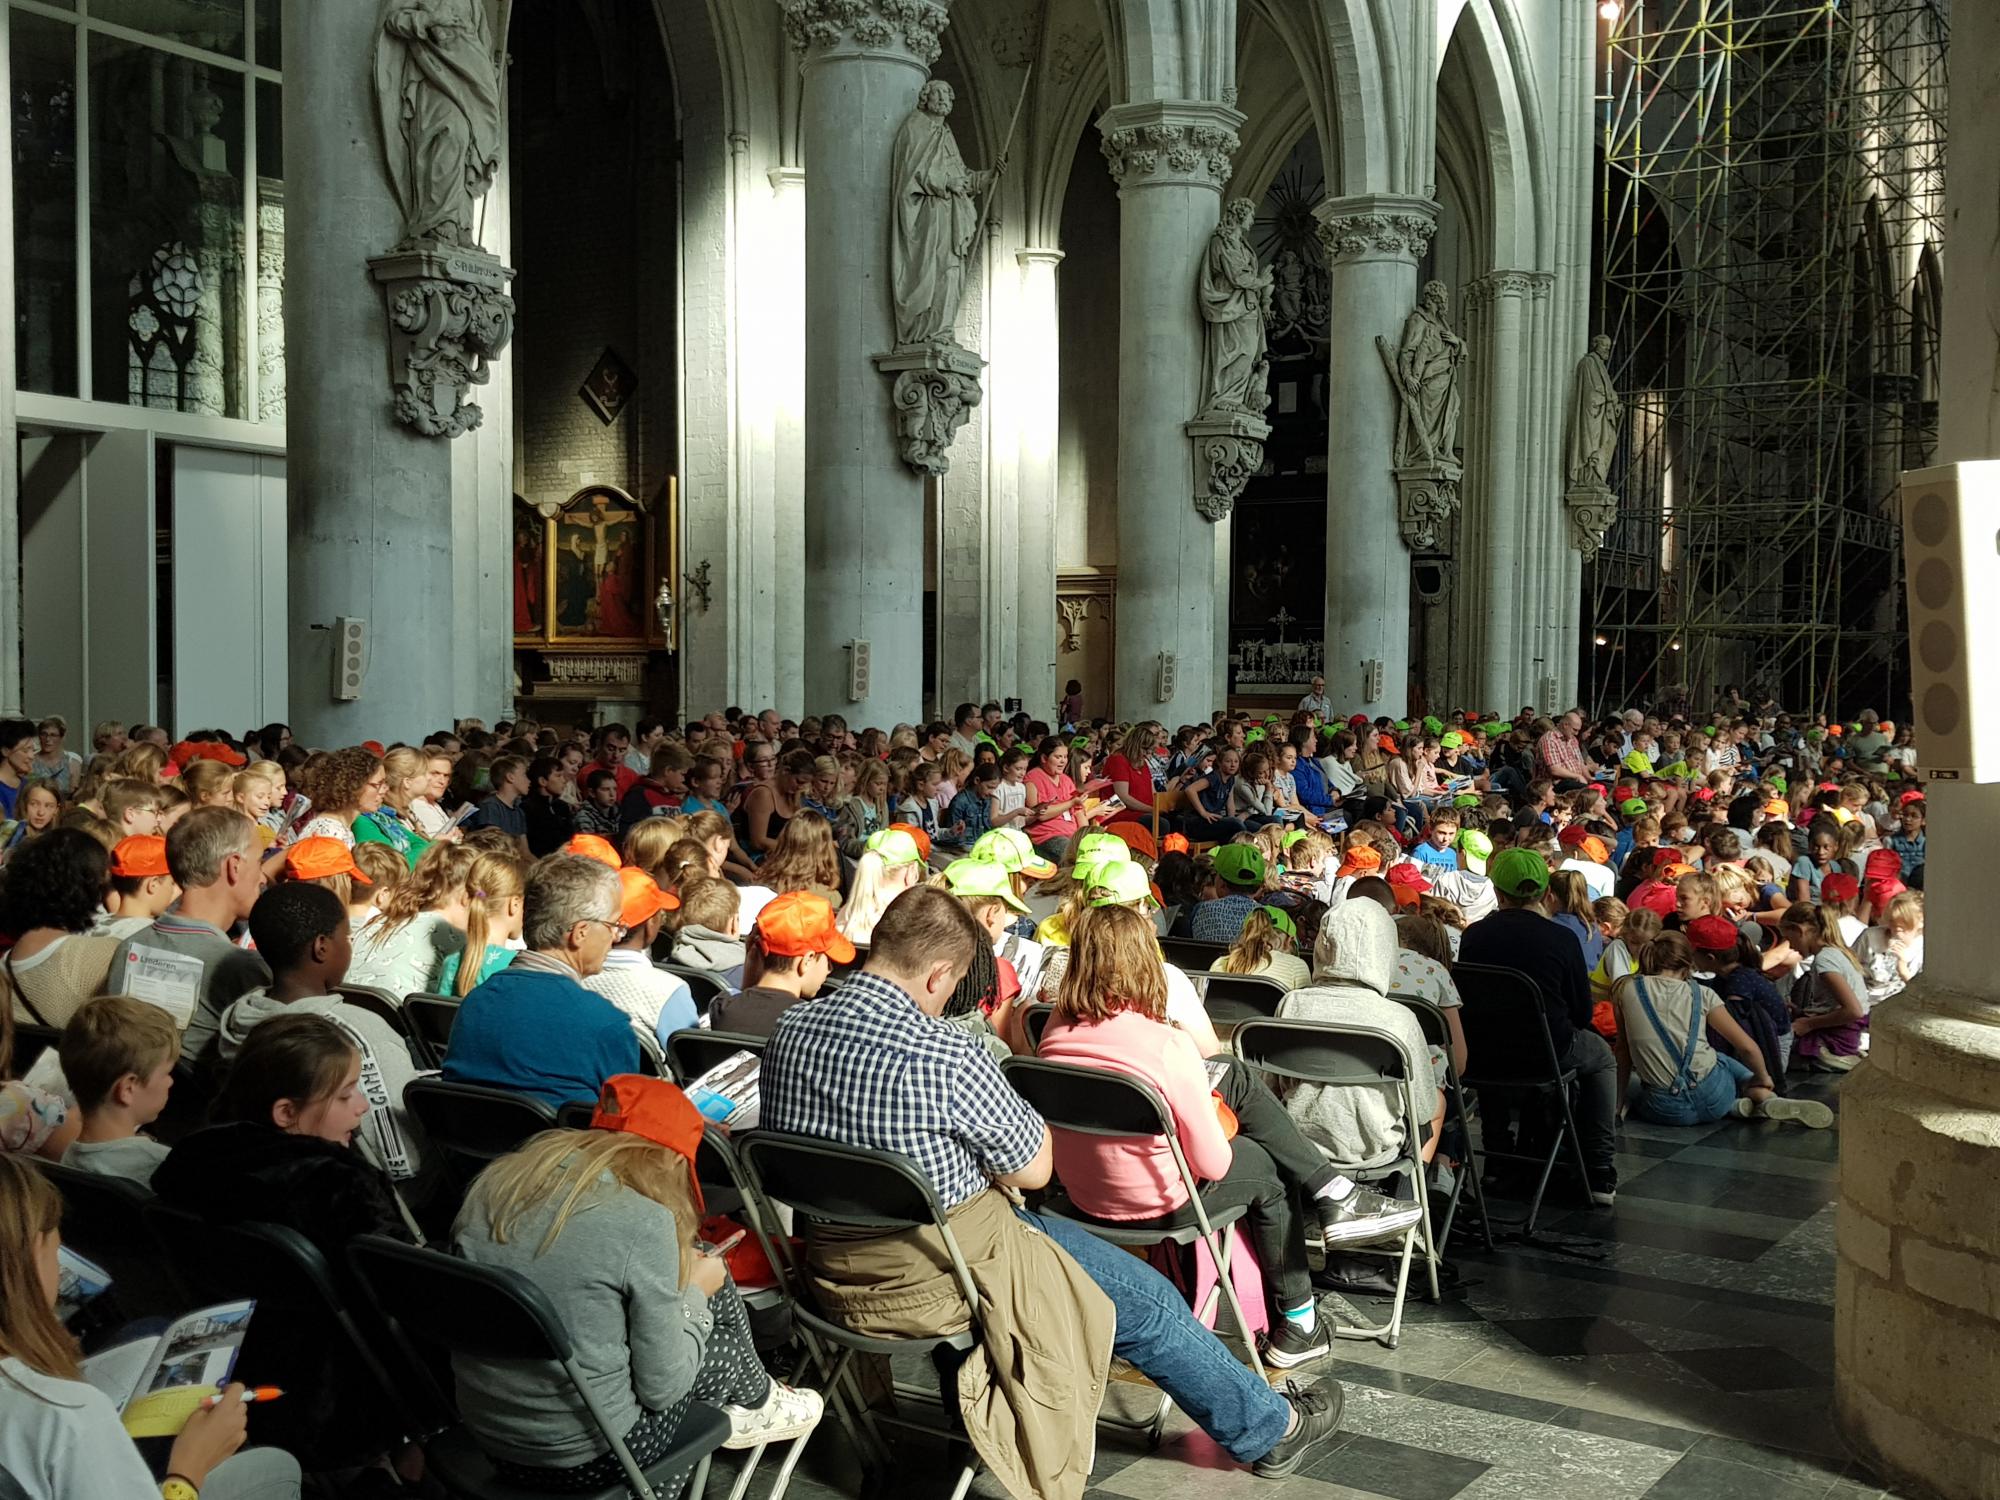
(141, 856)
(1713, 934)
(801, 922)
(640, 897)
(1841, 887)
(655, 1110)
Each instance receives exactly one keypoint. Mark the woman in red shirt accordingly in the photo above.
(1131, 776)
(1052, 800)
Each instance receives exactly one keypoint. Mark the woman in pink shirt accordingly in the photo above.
(1111, 1014)
(1052, 800)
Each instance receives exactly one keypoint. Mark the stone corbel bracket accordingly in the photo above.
(1426, 500)
(934, 390)
(1593, 510)
(449, 317)
(1228, 449)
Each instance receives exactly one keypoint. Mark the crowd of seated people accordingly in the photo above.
(210, 946)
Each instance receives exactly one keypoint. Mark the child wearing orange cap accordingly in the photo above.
(659, 1003)
(566, 1211)
(141, 886)
(790, 952)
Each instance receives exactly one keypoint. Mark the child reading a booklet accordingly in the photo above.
(118, 1056)
(60, 1435)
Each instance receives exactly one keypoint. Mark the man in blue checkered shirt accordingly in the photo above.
(872, 1065)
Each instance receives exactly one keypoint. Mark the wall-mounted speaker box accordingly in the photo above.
(1951, 562)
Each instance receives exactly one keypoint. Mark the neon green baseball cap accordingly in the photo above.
(1121, 882)
(1282, 920)
(1239, 864)
(895, 847)
(1011, 849)
(967, 878)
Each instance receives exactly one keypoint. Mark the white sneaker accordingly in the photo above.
(1808, 1112)
(787, 1413)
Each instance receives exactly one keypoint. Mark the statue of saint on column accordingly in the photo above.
(1235, 297)
(1595, 415)
(1426, 370)
(437, 85)
(937, 220)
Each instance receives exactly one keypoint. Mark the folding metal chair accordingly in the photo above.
(1096, 1101)
(1437, 1032)
(491, 1313)
(1231, 999)
(1191, 955)
(703, 984)
(875, 1190)
(104, 1218)
(428, 1019)
(377, 1002)
(30, 1042)
(1036, 1021)
(693, 1052)
(474, 1124)
(1507, 1041)
(1354, 1054)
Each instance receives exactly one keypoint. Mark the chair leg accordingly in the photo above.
(965, 1477)
(1478, 1189)
(1389, 1333)
(1541, 1186)
(1576, 1143)
(1221, 1254)
(750, 1461)
(697, 1485)
(1431, 1255)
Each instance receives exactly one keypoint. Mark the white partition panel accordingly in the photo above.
(229, 668)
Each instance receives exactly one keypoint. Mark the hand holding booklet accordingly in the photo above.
(158, 1381)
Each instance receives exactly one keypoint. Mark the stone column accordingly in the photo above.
(1917, 1306)
(369, 498)
(1373, 243)
(1171, 160)
(863, 62)
(1034, 680)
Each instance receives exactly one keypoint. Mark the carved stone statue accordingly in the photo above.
(437, 85)
(1425, 372)
(1595, 416)
(937, 219)
(1235, 297)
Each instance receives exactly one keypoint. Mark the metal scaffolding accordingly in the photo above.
(1772, 185)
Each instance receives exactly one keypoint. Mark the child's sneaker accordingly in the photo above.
(787, 1413)
(1807, 1112)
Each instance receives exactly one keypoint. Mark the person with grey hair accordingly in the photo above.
(533, 1028)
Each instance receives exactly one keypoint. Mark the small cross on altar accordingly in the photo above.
(1281, 619)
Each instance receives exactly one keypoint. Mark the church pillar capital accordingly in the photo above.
(1171, 143)
(892, 30)
(1496, 284)
(1375, 226)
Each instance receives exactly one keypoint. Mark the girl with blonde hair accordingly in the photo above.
(422, 924)
(647, 843)
(1268, 945)
(1830, 1000)
(495, 888)
(208, 782)
(865, 810)
(805, 858)
(889, 865)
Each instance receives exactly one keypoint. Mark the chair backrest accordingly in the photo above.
(1234, 998)
(1036, 1021)
(1507, 1041)
(377, 1002)
(473, 1123)
(693, 1052)
(30, 1042)
(271, 1262)
(703, 985)
(1430, 1020)
(486, 1311)
(1340, 1054)
(1090, 1101)
(842, 1184)
(428, 1020)
(1187, 953)
(104, 1218)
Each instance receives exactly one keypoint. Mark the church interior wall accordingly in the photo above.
(1087, 451)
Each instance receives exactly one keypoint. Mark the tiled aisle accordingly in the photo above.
(1694, 1359)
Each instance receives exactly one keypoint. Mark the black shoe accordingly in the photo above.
(1287, 1346)
(1319, 1419)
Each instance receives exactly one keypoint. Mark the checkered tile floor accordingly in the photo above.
(1681, 1345)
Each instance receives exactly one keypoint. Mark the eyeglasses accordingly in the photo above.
(612, 923)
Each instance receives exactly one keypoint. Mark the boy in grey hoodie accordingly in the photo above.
(301, 931)
(707, 938)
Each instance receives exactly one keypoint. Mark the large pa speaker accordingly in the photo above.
(1951, 559)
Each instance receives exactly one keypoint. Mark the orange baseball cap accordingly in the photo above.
(923, 840)
(655, 1110)
(1361, 860)
(594, 846)
(142, 855)
(314, 859)
(1776, 809)
(1593, 848)
(801, 922)
(1138, 838)
(640, 897)
(1174, 843)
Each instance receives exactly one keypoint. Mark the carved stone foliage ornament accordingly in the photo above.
(874, 25)
(1228, 449)
(437, 93)
(1346, 236)
(933, 392)
(449, 317)
(1593, 510)
(1426, 500)
(1188, 143)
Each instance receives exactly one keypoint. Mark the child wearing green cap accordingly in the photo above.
(1267, 946)
(1236, 875)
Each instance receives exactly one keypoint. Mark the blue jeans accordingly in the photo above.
(1708, 1100)
(1158, 1334)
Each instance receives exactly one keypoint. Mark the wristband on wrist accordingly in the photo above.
(179, 1487)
